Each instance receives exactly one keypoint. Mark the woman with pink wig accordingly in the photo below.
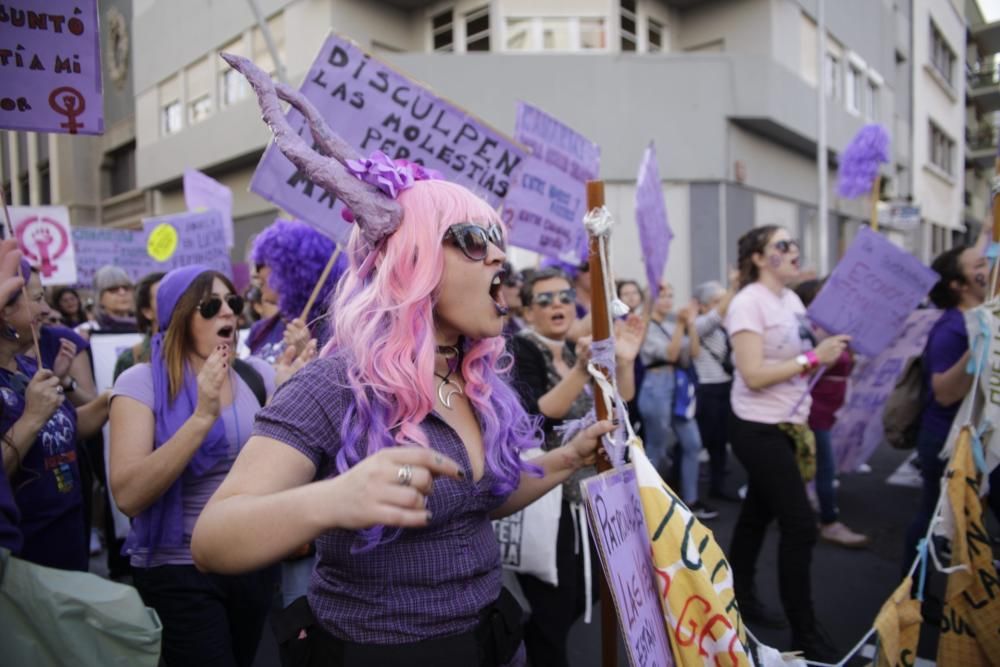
(394, 449)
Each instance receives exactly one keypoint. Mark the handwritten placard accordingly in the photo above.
(548, 197)
(173, 241)
(50, 60)
(616, 520)
(99, 246)
(655, 233)
(204, 193)
(43, 234)
(871, 292)
(375, 108)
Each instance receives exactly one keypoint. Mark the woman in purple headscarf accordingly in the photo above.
(177, 424)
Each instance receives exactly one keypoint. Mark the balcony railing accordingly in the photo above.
(982, 137)
(126, 210)
(982, 78)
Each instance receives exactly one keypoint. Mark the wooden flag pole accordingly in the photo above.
(319, 284)
(876, 189)
(24, 288)
(601, 331)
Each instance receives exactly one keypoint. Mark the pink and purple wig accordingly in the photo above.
(385, 328)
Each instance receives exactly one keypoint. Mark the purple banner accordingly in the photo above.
(548, 197)
(616, 520)
(871, 292)
(858, 431)
(655, 233)
(173, 241)
(204, 193)
(51, 64)
(99, 246)
(375, 108)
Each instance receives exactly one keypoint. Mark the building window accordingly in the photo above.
(855, 88)
(261, 54)
(477, 29)
(234, 87)
(834, 77)
(593, 34)
(119, 171)
(555, 34)
(628, 25)
(200, 109)
(44, 184)
(942, 150)
(171, 118)
(654, 36)
(443, 31)
(942, 55)
(871, 101)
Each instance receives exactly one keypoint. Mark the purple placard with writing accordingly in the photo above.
(199, 239)
(204, 193)
(858, 431)
(655, 233)
(871, 292)
(373, 107)
(548, 197)
(618, 525)
(51, 67)
(99, 246)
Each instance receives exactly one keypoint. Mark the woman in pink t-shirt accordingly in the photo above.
(774, 359)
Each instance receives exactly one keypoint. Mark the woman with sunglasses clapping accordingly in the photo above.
(774, 358)
(177, 424)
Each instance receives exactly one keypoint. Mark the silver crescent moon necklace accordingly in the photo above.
(448, 387)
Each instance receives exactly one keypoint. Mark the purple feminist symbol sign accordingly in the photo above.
(375, 108)
(50, 59)
(871, 292)
(651, 217)
(548, 197)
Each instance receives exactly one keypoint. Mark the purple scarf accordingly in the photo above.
(162, 523)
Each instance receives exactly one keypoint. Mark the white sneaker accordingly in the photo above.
(838, 533)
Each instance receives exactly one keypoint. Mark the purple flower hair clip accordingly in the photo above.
(388, 175)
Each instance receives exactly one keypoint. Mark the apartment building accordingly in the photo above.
(982, 107)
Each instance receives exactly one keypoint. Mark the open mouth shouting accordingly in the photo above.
(497, 295)
(225, 333)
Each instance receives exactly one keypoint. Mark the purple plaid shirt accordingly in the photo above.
(428, 582)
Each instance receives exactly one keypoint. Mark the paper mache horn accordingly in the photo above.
(377, 214)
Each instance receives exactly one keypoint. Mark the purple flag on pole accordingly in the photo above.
(50, 57)
(375, 108)
(204, 193)
(651, 216)
(548, 198)
(871, 292)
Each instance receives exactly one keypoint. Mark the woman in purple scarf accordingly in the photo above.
(177, 424)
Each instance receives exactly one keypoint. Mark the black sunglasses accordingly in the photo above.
(211, 306)
(785, 246)
(474, 240)
(546, 299)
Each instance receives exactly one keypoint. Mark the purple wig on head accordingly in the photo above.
(297, 254)
(860, 161)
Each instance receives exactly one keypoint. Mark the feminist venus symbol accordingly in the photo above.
(73, 105)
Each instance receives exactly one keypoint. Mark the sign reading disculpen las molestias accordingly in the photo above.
(375, 108)
(173, 241)
(50, 67)
(43, 235)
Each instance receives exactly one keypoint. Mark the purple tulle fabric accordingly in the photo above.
(388, 175)
(860, 161)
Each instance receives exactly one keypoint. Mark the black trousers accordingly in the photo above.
(714, 411)
(776, 491)
(208, 619)
(554, 609)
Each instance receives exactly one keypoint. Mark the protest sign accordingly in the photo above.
(50, 57)
(173, 241)
(99, 246)
(651, 217)
(548, 198)
(858, 431)
(204, 193)
(871, 292)
(43, 234)
(616, 521)
(375, 108)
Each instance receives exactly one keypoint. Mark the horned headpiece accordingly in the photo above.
(368, 187)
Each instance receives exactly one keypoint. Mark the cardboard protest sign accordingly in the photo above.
(858, 431)
(616, 521)
(204, 193)
(375, 108)
(548, 197)
(871, 292)
(50, 58)
(651, 216)
(173, 241)
(100, 246)
(43, 234)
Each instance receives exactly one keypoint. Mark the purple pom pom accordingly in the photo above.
(391, 177)
(860, 161)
